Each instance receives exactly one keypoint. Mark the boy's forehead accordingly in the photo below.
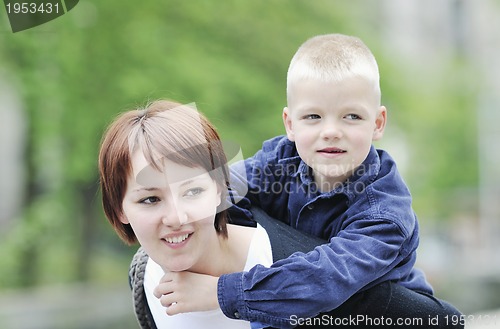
(309, 91)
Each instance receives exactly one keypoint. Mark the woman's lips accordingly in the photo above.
(178, 240)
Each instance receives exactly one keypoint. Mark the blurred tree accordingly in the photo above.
(77, 72)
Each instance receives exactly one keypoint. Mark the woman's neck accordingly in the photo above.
(227, 255)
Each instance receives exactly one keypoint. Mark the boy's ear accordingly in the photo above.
(287, 121)
(380, 123)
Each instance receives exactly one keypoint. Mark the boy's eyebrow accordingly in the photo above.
(305, 107)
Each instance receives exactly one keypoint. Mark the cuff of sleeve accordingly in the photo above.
(230, 296)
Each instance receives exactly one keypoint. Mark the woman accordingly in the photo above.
(165, 183)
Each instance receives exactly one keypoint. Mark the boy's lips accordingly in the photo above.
(331, 150)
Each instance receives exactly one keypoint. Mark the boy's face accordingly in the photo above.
(333, 125)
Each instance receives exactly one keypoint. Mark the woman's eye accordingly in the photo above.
(311, 117)
(194, 191)
(149, 200)
(353, 116)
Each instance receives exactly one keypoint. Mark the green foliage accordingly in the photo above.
(79, 71)
(435, 107)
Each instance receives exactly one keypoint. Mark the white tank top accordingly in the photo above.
(259, 252)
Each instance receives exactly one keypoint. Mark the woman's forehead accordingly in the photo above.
(146, 174)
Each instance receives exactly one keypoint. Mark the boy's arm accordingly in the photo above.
(250, 181)
(238, 195)
(305, 285)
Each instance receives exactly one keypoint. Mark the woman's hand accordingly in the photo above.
(182, 292)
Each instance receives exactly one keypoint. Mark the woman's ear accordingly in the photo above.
(219, 196)
(123, 219)
(380, 123)
(287, 121)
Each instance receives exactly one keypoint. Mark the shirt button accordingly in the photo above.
(237, 315)
(310, 207)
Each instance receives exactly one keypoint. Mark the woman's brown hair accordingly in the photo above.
(163, 129)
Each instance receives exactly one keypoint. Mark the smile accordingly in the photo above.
(177, 239)
(331, 150)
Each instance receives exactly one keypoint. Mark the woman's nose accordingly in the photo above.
(172, 214)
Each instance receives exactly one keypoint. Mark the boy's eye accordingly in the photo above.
(311, 117)
(353, 116)
(194, 192)
(150, 200)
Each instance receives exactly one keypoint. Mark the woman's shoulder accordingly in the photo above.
(253, 245)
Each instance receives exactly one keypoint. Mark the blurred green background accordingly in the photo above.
(61, 83)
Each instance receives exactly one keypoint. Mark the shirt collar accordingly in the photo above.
(296, 167)
(364, 175)
(369, 169)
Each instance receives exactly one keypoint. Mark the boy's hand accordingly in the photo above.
(182, 292)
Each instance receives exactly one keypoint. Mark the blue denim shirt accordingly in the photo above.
(368, 221)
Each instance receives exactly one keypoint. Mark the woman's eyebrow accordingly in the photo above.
(148, 189)
(183, 183)
(193, 180)
(187, 182)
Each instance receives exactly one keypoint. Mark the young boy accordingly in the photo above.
(325, 178)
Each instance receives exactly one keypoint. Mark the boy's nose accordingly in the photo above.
(331, 131)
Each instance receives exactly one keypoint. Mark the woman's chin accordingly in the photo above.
(176, 266)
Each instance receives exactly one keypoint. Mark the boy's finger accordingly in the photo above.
(174, 308)
(167, 277)
(167, 300)
(163, 289)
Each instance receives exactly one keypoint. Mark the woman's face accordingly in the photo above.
(172, 212)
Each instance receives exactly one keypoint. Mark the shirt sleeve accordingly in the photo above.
(247, 178)
(239, 212)
(255, 181)
(305, 285)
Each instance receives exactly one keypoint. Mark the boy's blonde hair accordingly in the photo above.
(332, 58)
